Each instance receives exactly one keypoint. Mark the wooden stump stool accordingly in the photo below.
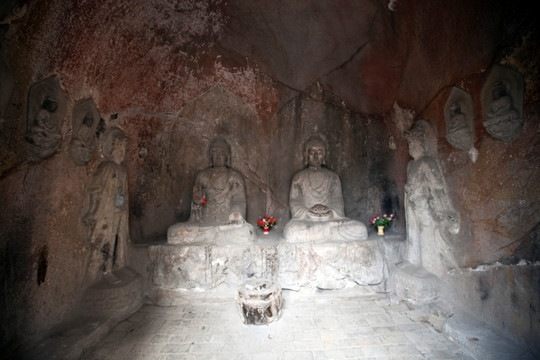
(259, 301)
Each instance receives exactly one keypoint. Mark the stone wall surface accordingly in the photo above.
(266, 74)
(503, 296)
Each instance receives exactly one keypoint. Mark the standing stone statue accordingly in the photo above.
(218, 208)
(430, 216)
(46, 111)
(316, 202)
(106, 217)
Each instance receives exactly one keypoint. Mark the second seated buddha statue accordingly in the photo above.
(316, 202)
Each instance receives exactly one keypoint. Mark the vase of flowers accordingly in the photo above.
(381, 222)
(266, 223)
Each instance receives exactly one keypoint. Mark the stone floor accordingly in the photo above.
(313, 325)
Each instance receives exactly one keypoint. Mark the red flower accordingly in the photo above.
(266, 222)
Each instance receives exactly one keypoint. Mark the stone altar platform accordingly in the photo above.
(177, 271)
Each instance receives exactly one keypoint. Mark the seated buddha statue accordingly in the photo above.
(316, 202)
(503, 121)
(218, 208)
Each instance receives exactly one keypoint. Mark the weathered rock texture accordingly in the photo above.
(267, 74)
(176, 270)
(259, 301)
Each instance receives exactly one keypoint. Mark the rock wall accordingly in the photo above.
(174, 74)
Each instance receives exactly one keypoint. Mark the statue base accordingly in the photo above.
(117, 296)
(415, 284)
(179, 271)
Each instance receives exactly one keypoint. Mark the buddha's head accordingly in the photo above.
(219, 153)
(314, 152)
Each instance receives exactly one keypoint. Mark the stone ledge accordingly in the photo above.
(483, 342)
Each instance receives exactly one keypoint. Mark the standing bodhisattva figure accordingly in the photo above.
(107, 215)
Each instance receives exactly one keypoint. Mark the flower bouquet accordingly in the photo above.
(266, 223)
(381, 222)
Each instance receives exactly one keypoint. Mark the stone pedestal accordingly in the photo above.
(117, 297)
(259, 301)
(415, 284)
(177, 271)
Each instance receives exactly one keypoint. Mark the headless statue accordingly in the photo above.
(316, 202)
(218, 208)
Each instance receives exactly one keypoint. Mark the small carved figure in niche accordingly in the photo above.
(458, 113)
(85, 121)
(430, 216)
(316, 202)
(502, 99)
(219, 203)
(107, 214)
(503, 121)
(46, 110)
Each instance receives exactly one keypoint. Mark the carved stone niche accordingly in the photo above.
(46, 109)
(85, 120)
(502, 103)
(458, 114)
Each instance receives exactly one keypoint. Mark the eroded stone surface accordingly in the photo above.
(502, 100)
(458, 114)
(415, 284)
(117, 296)
(175, 269)
(45, 115)
(85, 120)
(6, 87)
(259, 301)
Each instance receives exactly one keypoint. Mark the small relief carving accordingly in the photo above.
(106, 217)
(431, 218)
(458, 113)
(502, 101)
(85, 120)
(46, 111)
